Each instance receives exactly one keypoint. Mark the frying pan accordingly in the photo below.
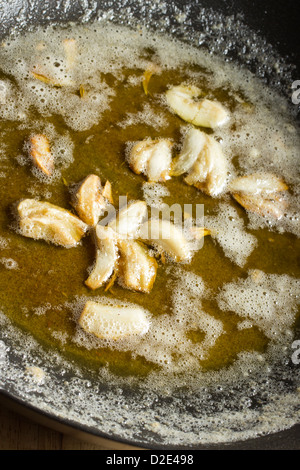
(260, 412)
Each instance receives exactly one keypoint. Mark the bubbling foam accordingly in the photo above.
(267, 300)
(228, 229)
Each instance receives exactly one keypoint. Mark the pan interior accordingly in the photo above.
(257, 393)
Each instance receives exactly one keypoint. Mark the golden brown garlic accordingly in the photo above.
(204, 112)
(137, 268)
(39, 150)
(106, 257)
(260, 193)
(89, 201)
(151, 158)
(43, 220)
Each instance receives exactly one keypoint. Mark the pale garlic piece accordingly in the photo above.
(193, 145)
(204, 112)
(166, 238)
(265, 206)
(88, 201)
(151, 158)
(129, 218)
(258, 183)
(106, 257)
(209, 173)
(40, 152)
(114, 322)
(43, 220)
(260, 193)
(137, 268)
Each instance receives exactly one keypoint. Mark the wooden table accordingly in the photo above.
(20, 430)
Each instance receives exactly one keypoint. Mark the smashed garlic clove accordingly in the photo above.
(128, 220)
(110, 322)
(260, 193)
(137, 268)
(107, 192)
(167, 238)
(210, 171)
(158, 167)
(39, 150)
(204, 113)
(152, 158)
(258, 183)
(43, 220)
(88, 200)
(268, 206)
(106, 257)
(192, 147)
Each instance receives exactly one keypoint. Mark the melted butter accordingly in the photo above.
(45, 293)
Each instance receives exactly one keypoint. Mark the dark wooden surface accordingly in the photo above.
(18, 432)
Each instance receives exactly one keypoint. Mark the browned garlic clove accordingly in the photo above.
(106, 257)
(128, 220)
(137, 268)
(192, 147)
(166, 238)
(209, 173)
(89, 201)
(268, 206)
(152, 158)
(43, 220)
(107, 192)
(260, 193)
(204, 113)
(151, 69)
(39, 150)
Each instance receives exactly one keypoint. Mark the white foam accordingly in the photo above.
(148, 116)
(229, 230)
(268, 300)
(153, 194)
(3, 243)
(9, 263)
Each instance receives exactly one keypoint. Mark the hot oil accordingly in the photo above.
(43, 289)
